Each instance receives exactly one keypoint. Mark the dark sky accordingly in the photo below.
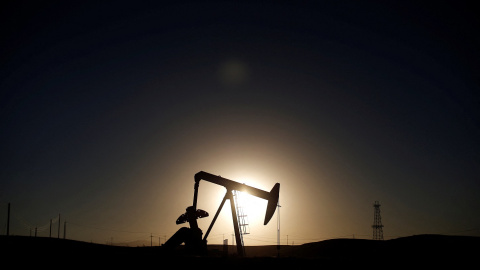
(109, 109)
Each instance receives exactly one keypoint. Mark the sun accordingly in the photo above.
(253, 208)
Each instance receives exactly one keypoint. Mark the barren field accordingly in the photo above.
(438, 250)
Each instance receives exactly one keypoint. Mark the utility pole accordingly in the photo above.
(64, 229)
(151, 240)
(8, 220)
(278, 230)
(58, 236)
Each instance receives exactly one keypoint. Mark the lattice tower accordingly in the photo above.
(377, 222)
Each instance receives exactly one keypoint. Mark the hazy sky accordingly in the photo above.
(109, 108)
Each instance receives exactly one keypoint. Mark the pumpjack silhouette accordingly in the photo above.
(192, 237)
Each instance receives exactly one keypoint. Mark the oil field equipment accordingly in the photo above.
(192, 237)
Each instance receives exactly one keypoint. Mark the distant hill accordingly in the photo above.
(425, 249)
(412, 248)
(417, 247)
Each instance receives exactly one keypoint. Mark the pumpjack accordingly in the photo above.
(192, 237)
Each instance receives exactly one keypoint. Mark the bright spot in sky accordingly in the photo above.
(233, 72)
(254, 208)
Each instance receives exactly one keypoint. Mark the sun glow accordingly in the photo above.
(251, 210)
(254, 208)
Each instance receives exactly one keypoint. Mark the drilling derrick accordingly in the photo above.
(241, 217)
(377, 222)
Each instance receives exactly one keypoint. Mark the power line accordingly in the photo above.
(109, 229)
(146, 234)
